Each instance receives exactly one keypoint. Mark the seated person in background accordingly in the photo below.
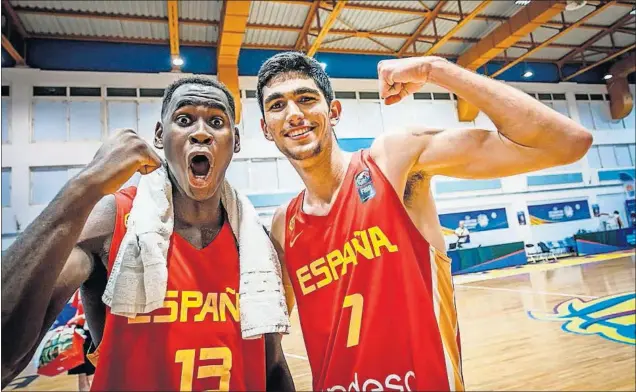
(462, 234)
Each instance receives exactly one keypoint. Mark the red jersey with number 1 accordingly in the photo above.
(194, 341)
(375, 300)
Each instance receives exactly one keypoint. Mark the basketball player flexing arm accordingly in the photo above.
(362, 244)
(194, 342)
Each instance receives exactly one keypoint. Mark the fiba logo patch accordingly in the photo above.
(612, 317)
(126, 219)
(364, 184)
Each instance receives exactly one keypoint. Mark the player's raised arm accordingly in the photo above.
(51, 259)
(530, 136)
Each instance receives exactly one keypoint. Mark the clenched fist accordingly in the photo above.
(400, 78)
(121, 155)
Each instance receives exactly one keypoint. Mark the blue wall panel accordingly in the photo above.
(554, 179)
(127, 57)
(613, 175)
(355, 144)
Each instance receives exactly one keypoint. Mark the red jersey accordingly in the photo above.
(375, 300)
(194, 342)
(76, 302)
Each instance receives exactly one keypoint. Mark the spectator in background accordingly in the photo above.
(86, 370)
(614, 221)
(632, 218)
(462, 234)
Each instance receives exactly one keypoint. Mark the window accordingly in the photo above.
(6, 104)
(6, 187)
(594, 111)
(556, 102)
(49, 120)
(122, 114)
(85, 120)
(149, 115)
(593, 158)
(611, 156)
(46, 182)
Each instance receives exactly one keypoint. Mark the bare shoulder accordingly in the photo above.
(278, 225)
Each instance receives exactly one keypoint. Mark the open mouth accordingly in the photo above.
(200, 168)
(299, 133)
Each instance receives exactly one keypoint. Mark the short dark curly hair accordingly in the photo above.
(199, 80)
(293, 62)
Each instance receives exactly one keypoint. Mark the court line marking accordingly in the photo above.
(528, 291)
(296, 356)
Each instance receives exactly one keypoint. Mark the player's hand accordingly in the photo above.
(76, 320)
(121, 155)
(400, 78)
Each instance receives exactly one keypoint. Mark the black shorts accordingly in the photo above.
(87, 367)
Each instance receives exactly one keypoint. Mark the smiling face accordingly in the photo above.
(297, 117)
(199, 139)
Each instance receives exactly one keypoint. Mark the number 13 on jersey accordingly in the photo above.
(355, 302)
(187, 357)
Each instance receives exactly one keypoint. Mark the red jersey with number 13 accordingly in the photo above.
(194, 341)
(375, 300)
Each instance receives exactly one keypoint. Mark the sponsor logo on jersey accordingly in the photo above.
(366, 244)
(392, 382)
(364, 184)
(612, 317)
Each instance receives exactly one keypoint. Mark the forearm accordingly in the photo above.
(33, 263)
(516, 115)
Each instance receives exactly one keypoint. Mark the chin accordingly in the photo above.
(307, 151)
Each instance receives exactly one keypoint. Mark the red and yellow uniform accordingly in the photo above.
(194, 342)
(375, 300)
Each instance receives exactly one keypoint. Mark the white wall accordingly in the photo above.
(266, 169)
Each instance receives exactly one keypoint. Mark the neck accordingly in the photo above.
(323, 174)
(200, 214)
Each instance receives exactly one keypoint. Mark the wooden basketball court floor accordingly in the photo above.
(563, 326)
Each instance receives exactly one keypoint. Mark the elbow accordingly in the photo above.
(575, 147)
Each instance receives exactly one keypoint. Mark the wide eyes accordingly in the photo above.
(184, 120)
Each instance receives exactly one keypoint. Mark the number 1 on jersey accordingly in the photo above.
(355, 302)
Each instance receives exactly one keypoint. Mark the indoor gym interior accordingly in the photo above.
(545, 282)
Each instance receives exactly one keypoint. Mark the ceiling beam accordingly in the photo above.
(555, 37)
(15, 19)
(587, 44)
(234, 17)
(602, 61)
(173, 33)
(457, 27)
(302, 36)
(430, 17)
(331, 19)
(6, 44)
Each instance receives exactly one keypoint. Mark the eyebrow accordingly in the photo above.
(298, 91)
(206, 103)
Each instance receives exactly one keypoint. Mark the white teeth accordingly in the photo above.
(299, 132)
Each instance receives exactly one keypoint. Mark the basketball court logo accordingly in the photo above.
(364, 183)
(612, 317)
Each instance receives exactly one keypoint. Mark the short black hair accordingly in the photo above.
(616, 212)
(293, 62)
(202, 81)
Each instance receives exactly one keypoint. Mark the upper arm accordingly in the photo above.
(80, 263)
(465, 153)
(277, 236)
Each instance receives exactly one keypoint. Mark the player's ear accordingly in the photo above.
(335, 111)
(266, 132)
(158, 141)
(237, 140)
